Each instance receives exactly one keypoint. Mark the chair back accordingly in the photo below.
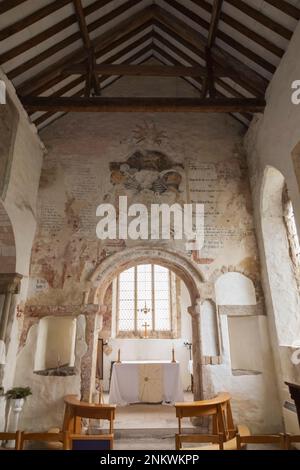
(218, 408)
(10, 436)
(75, 410)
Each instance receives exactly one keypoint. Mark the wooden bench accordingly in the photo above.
(10, 436)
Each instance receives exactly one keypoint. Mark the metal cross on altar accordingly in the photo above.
(146, 326)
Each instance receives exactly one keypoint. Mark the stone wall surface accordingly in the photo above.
(21, 156)
(271, 144)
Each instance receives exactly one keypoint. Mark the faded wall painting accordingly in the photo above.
(166, 160)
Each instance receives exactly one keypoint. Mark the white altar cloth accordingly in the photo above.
(125, 382)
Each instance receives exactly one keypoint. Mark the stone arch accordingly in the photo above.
(234, 288)
(7, 243)
(108, 269)
(115, 264)
(281, 285)
(217, 274)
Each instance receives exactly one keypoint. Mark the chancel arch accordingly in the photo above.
(181, 266)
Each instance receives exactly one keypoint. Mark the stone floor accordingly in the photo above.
(147, 427)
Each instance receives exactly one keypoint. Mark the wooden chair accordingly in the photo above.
(46, 438)
(263, 439)
(11, 436)
(219, 409)
(89, 442)
(75, 410)
(290, 440)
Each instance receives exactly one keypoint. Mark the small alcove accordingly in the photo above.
(55, 350)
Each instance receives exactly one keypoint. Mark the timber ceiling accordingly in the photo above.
(56, 48)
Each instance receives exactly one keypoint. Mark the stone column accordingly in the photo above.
(93, 315)
(197, 352)
(9, 286)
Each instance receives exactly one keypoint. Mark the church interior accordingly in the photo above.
(119, 121)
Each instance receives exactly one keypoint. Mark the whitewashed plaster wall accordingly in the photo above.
(19, 201)
(270, 142)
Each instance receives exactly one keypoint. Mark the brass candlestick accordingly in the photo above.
(119, 356)
(173, 355)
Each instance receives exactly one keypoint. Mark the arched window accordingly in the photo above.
(145, 300)
(292, 234)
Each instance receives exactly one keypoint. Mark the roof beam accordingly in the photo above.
(242, 28)
(118, 55)
(182, 55)
(223, 58)
(261, 18)
(198, 83)
(33, 18)
(286, 8)
(101, 42)
(155, 105)
(92, 77)
(195, 49)
(226, 38)
(208, 82)
(57, 47)
(65, 23)
(9, 5)
(147, 70)
(76, 82)
(214, 23)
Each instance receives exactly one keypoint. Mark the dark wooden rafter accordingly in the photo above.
(33, 18)
(92, 80)
(149, 70)
(214, 24)
(96, 104)
(242, 28)
(187, 59)
(195, 49)
(208, 82)
(183, 32)
(286, 8)
(261, 18)
(123, 51)
(226, 38)
(57, 47)
(67, 22)
(67, 88)
(7, 5)
(115, 33)
(187, 35)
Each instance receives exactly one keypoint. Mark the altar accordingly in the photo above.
(145, 382)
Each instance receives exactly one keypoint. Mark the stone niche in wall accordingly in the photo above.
(55, 350)
(236, 298)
